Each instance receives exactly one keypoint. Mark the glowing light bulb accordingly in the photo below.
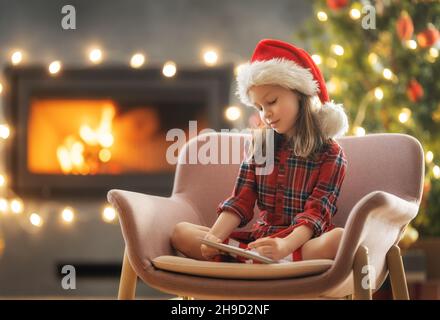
(169, 69)
(4, 131)
(373, 58)
(378, 93)
(436, 171)
(317, 58)
(322, 16)
(210, 57)
(95, 56)
(1, 88)
(36, 220)
(3, 205)
(233, 113)
(355, 14)
(429, 156)
(404, 115)
(412, 44)
(109, 214)
(2, 180)
(332, 63)
(67, 215)
(105, 155)
(16, 58)
(359, 131)
(433, 52)
(16, 206)
(387, 74)
(137, 60)
(337, 49)
(55, 67)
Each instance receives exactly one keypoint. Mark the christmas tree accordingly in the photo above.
(380, 59)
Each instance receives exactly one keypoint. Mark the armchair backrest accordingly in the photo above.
(388, 162)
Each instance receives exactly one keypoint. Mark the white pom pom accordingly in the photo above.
(334, 121)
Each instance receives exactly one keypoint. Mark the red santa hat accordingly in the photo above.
(276, 62)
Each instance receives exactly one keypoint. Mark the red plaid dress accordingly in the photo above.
(298, 192)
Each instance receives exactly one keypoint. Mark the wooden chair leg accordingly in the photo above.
(360, 261)
(397, 274)
(127, 283)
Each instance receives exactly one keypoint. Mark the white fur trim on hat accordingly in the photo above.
(276, 71)
(334, 121)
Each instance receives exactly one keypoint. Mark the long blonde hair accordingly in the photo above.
(308, 138)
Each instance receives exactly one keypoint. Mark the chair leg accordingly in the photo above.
(360, 261)
(397, 274)
(127, 283)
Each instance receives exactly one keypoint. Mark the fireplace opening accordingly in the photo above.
(93, 137)
(86, 131)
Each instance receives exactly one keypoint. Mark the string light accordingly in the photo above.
(433, 52)
(210, 57)
(429, 157)
(4, 131)
(317, 59)
(109, 214)
(359, 131)
(3, 205)
(322, 16)
(137, 60)
(238, 68)
(404, 115)
(55, 67)
(373, 58)
(16, 57)
(2, 180)
(337, 49)
(1, 88)
(355, 14)
(387, 74)
(436, 171)
(16, 206)
(95, 56)
(169, 69)
(68, 215)
(36, 220)
(411, 44)
(233, 113)
(378, 93)
(332, 63)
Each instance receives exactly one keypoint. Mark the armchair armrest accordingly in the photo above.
(377, 222)
(147, 223)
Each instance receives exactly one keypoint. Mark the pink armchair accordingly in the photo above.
(380, 195)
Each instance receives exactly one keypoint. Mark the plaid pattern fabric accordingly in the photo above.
(297, 191)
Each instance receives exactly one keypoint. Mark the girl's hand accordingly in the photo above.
(209, 252)
(273, 248)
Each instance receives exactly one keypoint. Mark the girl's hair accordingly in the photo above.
(308, 138)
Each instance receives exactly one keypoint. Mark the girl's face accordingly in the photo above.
(278, 107)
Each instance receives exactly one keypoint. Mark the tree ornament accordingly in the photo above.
(336, 5)
(428, 37)
(414, 90)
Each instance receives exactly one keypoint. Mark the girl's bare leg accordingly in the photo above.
(324, 246)
(184, 239)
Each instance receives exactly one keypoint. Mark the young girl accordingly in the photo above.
(297, 199)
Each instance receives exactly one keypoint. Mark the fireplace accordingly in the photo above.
(85, 131)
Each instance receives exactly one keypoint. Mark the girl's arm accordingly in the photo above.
(298, 237)
(224, 225)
